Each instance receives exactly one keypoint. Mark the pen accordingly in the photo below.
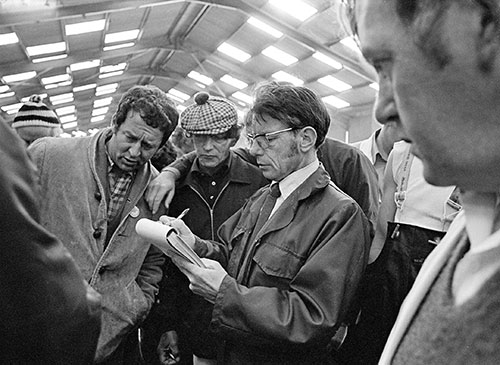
(183, 213)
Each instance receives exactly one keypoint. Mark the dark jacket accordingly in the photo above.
(74, 198)
(347, 166)
(283, 301)
(178, 306)
(48, 314)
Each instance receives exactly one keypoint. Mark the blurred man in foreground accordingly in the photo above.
(438, 64)
(48, 314)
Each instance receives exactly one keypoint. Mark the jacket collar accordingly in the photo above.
(286, 212)
(239, 171)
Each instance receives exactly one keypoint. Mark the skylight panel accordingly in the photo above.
(118, 46)
(84, 65)
(113, 86)
(61, 98)
(265, 27)
(285, 76)
(8, 79)
(334, 83)
(49, 58)
(67, 118)
(336, 102)
(53, 86)
(228, 79)
(279, 56)
(46, 49)
(113, 68)
(11, 108)
(55, 79)
(349, 42)
(98, 118)
(7, 94)
(84, 87)
(201, 78)
(100, 111)
(126, 35)
(296, 8)
(63, 101)
(106, 89)
(327, 60)
(179, 94)
(110, 74)
(103, 102)
(8, 38)
(233, 52)
(70, 125)
(85, 27)
(65, 110)
(243, 97)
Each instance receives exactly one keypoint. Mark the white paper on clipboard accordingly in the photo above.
(166, 239)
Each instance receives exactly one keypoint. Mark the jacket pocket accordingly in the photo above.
(137, 304)
(278, 261)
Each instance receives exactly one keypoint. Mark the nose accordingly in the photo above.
(208, 144)
(135, 150)
(385, 105)
(255, 149)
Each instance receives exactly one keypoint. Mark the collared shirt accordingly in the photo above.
(290, 183)
(476, 267)
(119, 184)
(379, 160)
(481, 212)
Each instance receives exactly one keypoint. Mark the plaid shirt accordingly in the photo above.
(119, 183)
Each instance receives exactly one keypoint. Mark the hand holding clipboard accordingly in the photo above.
(167, 239)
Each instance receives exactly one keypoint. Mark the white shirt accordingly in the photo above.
(481, 210)
(293, 181)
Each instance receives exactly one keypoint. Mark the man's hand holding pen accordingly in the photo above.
(203, 281)
(177, 223)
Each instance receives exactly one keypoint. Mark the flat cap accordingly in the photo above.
(209, 115)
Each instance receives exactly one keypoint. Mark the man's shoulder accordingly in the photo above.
(246, 170)
(336, 147)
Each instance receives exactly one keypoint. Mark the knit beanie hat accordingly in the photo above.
(209, 115)
(35, 113)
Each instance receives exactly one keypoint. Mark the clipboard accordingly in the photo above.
(167, 240)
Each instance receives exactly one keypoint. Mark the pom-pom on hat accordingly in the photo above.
(35, 113)
(209, 115)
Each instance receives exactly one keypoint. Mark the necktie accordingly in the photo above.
(267, 207)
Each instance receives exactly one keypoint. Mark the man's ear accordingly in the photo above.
(308, 138)
(488, 41)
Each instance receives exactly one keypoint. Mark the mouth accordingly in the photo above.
(129, 162)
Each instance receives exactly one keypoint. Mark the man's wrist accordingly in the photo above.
(176, 174)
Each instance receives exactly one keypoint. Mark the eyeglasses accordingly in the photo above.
(263, 139)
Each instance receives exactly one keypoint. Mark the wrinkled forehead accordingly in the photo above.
(264, 124)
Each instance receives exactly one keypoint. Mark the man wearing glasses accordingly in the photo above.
(283, 269)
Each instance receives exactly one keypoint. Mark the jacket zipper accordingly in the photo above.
(212, 228)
